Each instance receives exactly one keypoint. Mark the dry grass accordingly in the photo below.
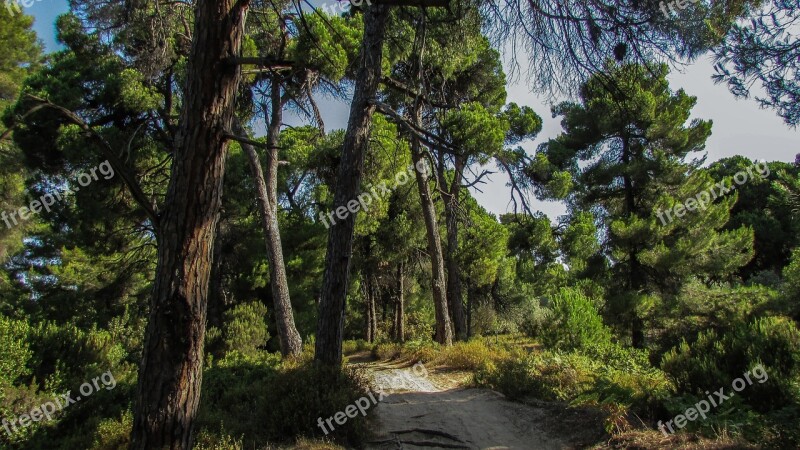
(649, 439)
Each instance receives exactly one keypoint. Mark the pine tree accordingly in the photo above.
(624, 155)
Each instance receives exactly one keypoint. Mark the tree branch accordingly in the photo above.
(515, 188)
(244, 140)
(108, 152)
(267, 62)
(428, 138)
(400, 86)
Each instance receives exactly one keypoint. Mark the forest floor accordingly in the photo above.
(439, 410)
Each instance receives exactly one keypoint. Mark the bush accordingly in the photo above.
(699, 308)
(534, 318)
(612, 377)
(265, 401)
(63, 355)
(575, 322)
(715, 360)
(359, 345)
(245, 328)
(387, 351)
(15, 351)
(114, 434)
(298, 396)
(422, 350)
(472, 355)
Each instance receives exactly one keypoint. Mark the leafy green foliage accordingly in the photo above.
(574, 322)
(14, 340)
(267, 401)
(716, 359)
(245, 330)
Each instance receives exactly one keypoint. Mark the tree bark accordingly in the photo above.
(170, 375)
(444, 332)
(470, 301)
(399, 314)
(267, 194)
(330, 323)
(369, 303)
(455, 298)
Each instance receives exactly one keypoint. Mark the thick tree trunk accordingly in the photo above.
(444, 332)
(399, 313)
(340, 239)
(455, 298)
(267, 195)
(170, 375)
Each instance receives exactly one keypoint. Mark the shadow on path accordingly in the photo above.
(417, 414)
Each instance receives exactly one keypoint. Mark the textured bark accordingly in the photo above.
(455, 298)
(470, 302)
(444, 332)
(330, 323)
(170, 375)
(267, 194)
(371, 324)
(399, 312)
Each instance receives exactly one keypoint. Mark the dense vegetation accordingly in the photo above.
(212, 242)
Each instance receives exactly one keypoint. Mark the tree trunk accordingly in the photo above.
(635, 277)
(170, 375)
(399, 314)
(369, 310)
(470, 301)
(444, 332)
(330, 323)
(455, 298)
(267, 195)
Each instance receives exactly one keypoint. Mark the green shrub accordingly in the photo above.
(422, 350)
(15, 352)
(298, 396)
(575, 322)
(609, 376)
(64, 354)
(387, 351)
(264, 400)
(245, 329)
(209, 441)
(534, 318)
(419, 325)
(699, 308)
(715, 360)
(114, 434)
(470, 355)
(355, 346)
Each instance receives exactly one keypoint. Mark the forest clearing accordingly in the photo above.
(399, 224)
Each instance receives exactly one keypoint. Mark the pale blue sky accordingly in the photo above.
(740, 126)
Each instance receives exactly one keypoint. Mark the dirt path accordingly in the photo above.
(418, 412)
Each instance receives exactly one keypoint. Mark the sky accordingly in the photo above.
(740, 126)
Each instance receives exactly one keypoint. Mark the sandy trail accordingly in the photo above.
(418, 414)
